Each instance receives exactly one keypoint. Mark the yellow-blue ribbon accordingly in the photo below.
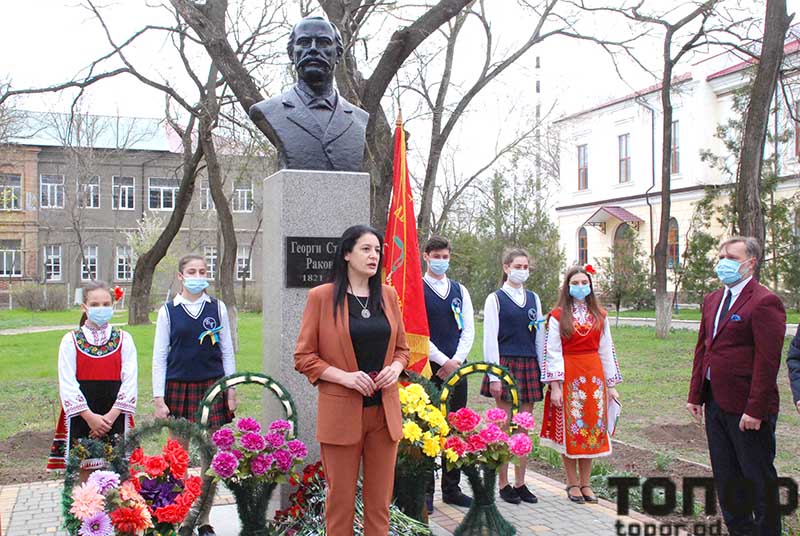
(534, 324)
(458, 316)
(213, 333)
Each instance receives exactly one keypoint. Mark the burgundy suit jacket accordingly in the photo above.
(323, 343)
(745, 355)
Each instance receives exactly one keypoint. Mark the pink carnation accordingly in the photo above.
(457, 444)
(520, 444)
(223, 438)
(275, 440)
(225, 464)
(253, 442)
(238, 453)
(497, 415)
(464, 420)
(475, 443)
(524, 419)
(248, 424)
(280, 426)
(283, 460)
(261, 464)
(492, 433)
(297, 449)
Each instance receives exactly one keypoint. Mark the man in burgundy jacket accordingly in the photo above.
(734, 376)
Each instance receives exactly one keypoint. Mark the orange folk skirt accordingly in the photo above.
(579, 429)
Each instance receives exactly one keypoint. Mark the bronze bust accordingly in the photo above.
(315, 127)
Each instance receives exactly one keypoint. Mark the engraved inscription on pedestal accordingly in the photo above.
(309, 260)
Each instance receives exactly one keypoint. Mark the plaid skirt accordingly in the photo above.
(183, 400)
(525, 371)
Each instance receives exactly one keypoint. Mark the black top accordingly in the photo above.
(370, 338)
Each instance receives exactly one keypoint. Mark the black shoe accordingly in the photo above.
(525, 495)
(206, 530)
(509, 495)
(457, 499)
(429, 503)
(588, 498)
(575, 498)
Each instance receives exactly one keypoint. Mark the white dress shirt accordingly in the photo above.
(735, 290)
(161, 342)
(491, 324)
(442, 288)
(72, 399)
(553, 369)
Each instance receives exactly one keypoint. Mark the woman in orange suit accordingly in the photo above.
(352, 346)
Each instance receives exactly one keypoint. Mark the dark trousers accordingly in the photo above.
(457, 400)
(741, 461)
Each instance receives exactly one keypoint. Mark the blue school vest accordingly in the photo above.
(514, 337)
(188, 358)
(442, 324)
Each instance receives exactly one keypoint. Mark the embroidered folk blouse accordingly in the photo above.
(72, 399)
(553, 369)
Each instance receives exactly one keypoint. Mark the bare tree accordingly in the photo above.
(748, 184)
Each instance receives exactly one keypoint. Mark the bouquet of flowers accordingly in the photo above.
(251, 464)
(477, 440)
(424, 429)
(104, 506)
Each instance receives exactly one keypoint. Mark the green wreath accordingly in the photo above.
(479, 368)
(204, 411)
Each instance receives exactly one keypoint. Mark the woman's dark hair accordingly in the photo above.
(339, 274)
(90, 286)
(565, 302)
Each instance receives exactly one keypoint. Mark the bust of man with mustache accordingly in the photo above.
(315, 127)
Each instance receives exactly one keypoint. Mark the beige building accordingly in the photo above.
(611, 160)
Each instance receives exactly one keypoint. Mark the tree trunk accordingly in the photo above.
(139, 309)
(748, 185)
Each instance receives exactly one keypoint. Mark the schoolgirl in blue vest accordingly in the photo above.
(191, 351)
(514, 336)
(452, 331)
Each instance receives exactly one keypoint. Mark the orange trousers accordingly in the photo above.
(341, 464)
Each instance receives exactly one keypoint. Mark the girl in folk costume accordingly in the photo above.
(97, 375)
(581, 370)
(191, 351)
(512, 337)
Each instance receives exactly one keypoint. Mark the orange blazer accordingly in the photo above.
(323, 343)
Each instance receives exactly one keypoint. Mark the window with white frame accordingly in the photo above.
(10, 258)
(243, 196)
(210, 253)
(10, 192)
(52, 263)
(206, 201)
(51, 191)
(122, 193)
(243, 263)
(624, 158)
(124, 270)
(675, 150)
(162, 193)
(89, 192)
(89, 263)
(583, 167)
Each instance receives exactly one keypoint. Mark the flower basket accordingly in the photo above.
(252, 499)
(483, 517)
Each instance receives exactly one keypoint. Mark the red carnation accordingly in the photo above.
(118, 293)
(177, 458)
(137, 456)
(155, 465)
(590, 269)
(172, 514)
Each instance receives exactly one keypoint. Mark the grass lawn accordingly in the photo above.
(23, 318)
(656, 378)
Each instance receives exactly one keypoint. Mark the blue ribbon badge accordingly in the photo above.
(212, 331)
(534, 323)
(456, 307)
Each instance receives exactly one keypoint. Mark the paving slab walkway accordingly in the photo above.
(35, 510)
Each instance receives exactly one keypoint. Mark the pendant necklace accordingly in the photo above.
(364, 311)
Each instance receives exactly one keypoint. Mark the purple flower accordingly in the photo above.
(275, 440)
(253, 442)
(248, 424)
(224, 438)
(97, 525)
(261, 464)
(297, 448)
(283, 459)
(280, 426)
(238, 453)
(225, 464)
(104, 480)
(159, 494)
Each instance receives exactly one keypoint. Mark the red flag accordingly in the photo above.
(401, 263)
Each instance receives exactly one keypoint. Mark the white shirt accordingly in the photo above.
(442, 288)
(491, 325)
(553, 369)
(161, 342)
(735, 290)
(72, 399)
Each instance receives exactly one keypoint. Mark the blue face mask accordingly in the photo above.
(195, 285)
(439, 266)
(100, 315)
(728, 271)
(579, 292)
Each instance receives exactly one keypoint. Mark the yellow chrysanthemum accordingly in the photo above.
(412, 432)
(451, 455)
(431, 446)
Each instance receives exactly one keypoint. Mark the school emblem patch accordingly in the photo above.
(209, 323)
